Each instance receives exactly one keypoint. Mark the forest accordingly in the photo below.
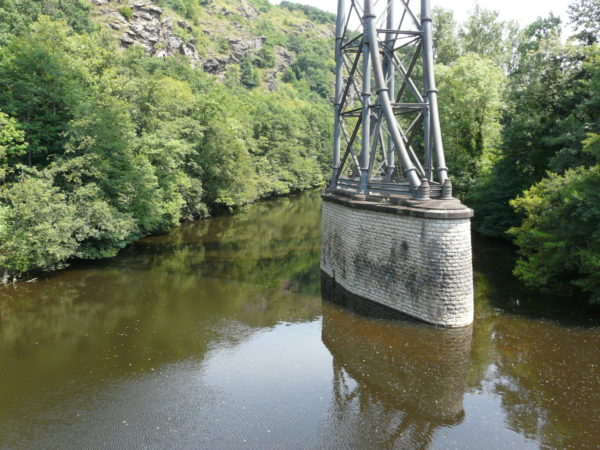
(100, 146)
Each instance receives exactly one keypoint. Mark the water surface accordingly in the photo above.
(216, 336)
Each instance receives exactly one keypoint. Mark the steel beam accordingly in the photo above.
(339, 86)
(382, 92)
(391, 77)
(431, 91)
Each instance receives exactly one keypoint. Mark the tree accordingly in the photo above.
(486, 36)
(46, 74)
(12, 145)
(17, 15)
(265, 57)
(315, 65)
(471, 105)
(446, 47)
(36, 227)
(249, 76)
(585, 16)
(559, 238)
(116, 145)
(551, 103)
(547, 29)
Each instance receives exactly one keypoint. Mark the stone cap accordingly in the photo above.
(397, 204)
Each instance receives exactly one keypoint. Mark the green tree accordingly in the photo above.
(585, 17)
(314, 65)
(249, 75)
(486, 36)
(551, 103)
(17, 15)
(37, 227)
(124, 145)
(471, 106)
(265, 57)
(446, 46)
(559, 239)
(46, 74)
(12, 145)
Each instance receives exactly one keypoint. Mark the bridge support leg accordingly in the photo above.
(413, 257)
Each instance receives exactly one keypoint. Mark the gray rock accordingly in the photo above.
(153, 9)
(127, 41)
(143, 15)
(186, 26)
(246, 10)
(240, 47)
(215, 65)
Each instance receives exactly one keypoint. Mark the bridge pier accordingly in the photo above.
(413, 256)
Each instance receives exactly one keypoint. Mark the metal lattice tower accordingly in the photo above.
(386, 98)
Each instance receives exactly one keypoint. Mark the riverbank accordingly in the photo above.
(8, 277)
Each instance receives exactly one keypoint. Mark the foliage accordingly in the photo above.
(17, 15)
(585, 16)
(485, 35)
(126, 12)
(262, 5)
(470, 110)
(44, 76)
(559, 239)
(42, 227)
(445, 38)
(265, 57)
(314, 14)
(315, 65)
(12, 145)
(99, 147)
(37, 227)
(189, 9)
(249, 77)
(552, 103)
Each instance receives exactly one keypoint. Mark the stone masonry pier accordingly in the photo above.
(409, 255)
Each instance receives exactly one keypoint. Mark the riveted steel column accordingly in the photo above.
(391, 74)
(384, 100)
(339, 87)
(440, 163)
(366, 115)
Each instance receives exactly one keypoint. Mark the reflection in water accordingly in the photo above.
(215, 336)
(166, 300)
(398, 381)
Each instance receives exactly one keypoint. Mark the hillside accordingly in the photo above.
(219, 36)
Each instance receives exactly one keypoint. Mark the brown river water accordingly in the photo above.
(216, 336)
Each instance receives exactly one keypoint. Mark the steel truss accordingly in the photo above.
(381, 101)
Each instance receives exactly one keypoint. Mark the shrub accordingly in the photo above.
(559, 238)
(126, 12)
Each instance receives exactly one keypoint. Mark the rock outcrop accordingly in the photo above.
(283, 60)
(155, 34)
(162, 34)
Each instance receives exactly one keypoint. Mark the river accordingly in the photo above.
(216, 336)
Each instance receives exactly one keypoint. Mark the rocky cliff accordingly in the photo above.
(145, 24)
(223, 35)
